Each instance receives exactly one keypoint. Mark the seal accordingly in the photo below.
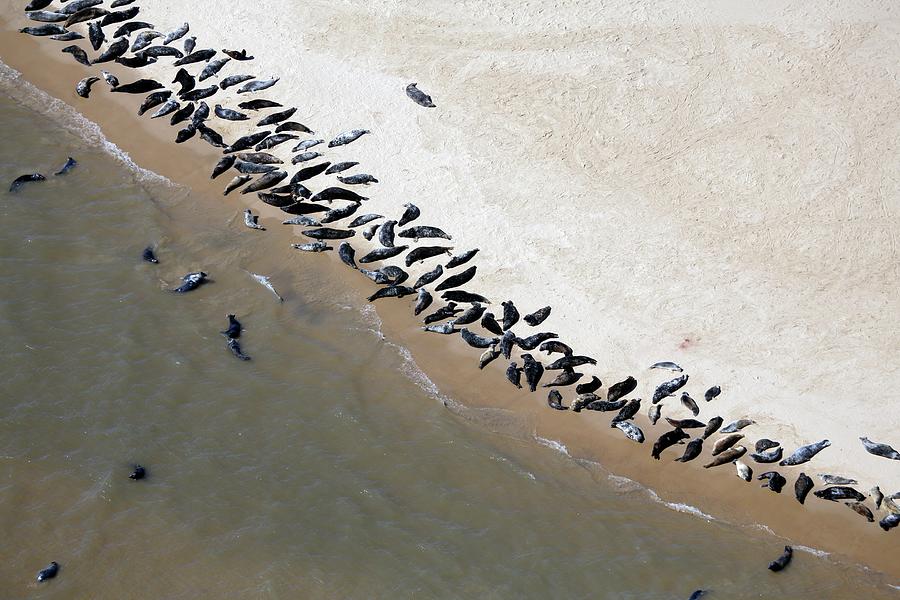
(626, 413)
(489, 322)
(445, 312)
(684, 423)
(182, 114)
(689, 403)
(457, 280)
(240, 56)
(429, 277)
(43, 30)
(276, 117)
(570, 362)
(135, 62)
(191, 282)
(861, 509)
(195, 57)
(21, 180)
(514, 375)
(554, 400)
(393, 291)
(463, 296)
(654, 413)
(176, 34)
(474, 340)
(234, 328)
(631, 431)
(257, 86)
(669, 438)
(423, 253)
(584, 388)
(877, 449)
(765, 444)
(233, 80)
(776, 481)
(839, 492)
(472, 314)
(347, 255)
(461, 259)
(190, 44)
(532, 341)
(697, 595)
(889, 522)
(782, 561)
(423, 301)
(743, 471)
(185, 134)
(565, 378)
(141, 86)
(692, 451)
(252, 221)
(737, 425)
(877, 496)
(337, 193)
(113, 51)
(382, 253)
(668, 366)
(621, 389)
(341, 166)
(138, 472)
(364, 219)
(258, 104)
(48, 572)
(724, 443)
(86, 14)
(533, 371)
(338, 214)
(229, 114)
(168, 107)
(712, 426)
(247, 142)
(83, 87)
(411, 213)
(418, 232)
(510, 314)
(301, 220)
(144, 40)
(712, 393)
(769, 456)
(294, 126)
(837, 480)
(266, 181)
(212, 67)
(728, 456)
(342, 139)
(149, 256)
(386, 234)
(418, 96)
(69, 36)
(236, 350)
(557, 346)
(266, 282)
(78, 54)
(327, 233)
(537, 317)
(158, 51)
(154, 100)
(119, 16)
(668, 388)
(805, 453)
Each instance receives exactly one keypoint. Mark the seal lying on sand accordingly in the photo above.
(418, 96)
(667, 388)
(802, 487)
(804, 453)
(877, 449)
(669, 438)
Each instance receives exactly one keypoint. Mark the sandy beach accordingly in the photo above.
(701, 185)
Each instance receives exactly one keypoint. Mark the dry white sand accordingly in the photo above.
(713, 183)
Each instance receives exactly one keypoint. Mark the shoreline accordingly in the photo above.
(721, 497)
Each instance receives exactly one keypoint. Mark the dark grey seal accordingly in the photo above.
(489, 322)
(191, 282)
(669, 438)
(782, 561)
(737, 425)
(195, 57)
(149, 256)
(392, 291)
(258, 104)
(113, 51)
(154, 100)
(684, 423)
(418, 96)
(44, 30)
(692, 451)
(585, 388)
(411, 213)
(839, 492)
(457, 280)
(445, 312)
(138, 472)
(668, 388)
(889, 522)
(510, 314)
(712, 392)
(765, 444)
(382, 254)
(475, 340)
(712, 426)
(862, 510)
(78, 54)
(621, 389)
(877, 449)
(229, 114)
(769, 456)
(626, 413)
(71, 163)
(557, 346)
(418, 232)
(141, 86)
(276, 117)
(21, 180)
(429, 277)
(423, 253)
(361, 179)
(570, 362)
(728, 456)
(347, 255)
(423, 301)
(533, 371)
(689, 403)
(233, 80)
(565, 378)
(236, 350)
(776, 481)
(463, 296)
(248, 141)
(294, 126)
(805, 453)
(654, 413)
(631, 431)
(176, 34)
(514, 375)
(537, 317)
(328, 233)
(472, 314)
(83, 87)
(461, 259)
(532, 341)
(336, 193)
(48, 572)
(212, 67)
(234, 328)
(386, 234)
(554, 400)
(347, 137)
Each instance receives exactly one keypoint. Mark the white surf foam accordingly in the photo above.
(14, 85)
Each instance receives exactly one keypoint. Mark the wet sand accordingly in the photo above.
(491, 403)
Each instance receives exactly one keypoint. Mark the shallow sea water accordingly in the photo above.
(326, 467)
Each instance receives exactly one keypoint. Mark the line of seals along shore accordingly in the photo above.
(320, 195)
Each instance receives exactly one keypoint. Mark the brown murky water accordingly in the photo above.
(326, 467)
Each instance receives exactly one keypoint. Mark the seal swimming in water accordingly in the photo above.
(585, 388)
(554, 400)
(138, 472)
(668, 366)
(769, 456)
(418, 96)
(668, 388)
(191, 282)
(533, 371)
(83, 87)
(423, 301)
(669, 438)
(776, 481)
(883, 450)
(712, 426)
(839, 492)
(514, 375)
(621, 389)
(631, 431)
(423, 253)
(48, 572)
(728, 456)
(234, 328)
(782, 561)
(149, 256)
(21, 180)
(692, 451)
(805, 453)
(236, 350)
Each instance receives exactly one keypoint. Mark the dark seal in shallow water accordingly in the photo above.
(782, 561)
